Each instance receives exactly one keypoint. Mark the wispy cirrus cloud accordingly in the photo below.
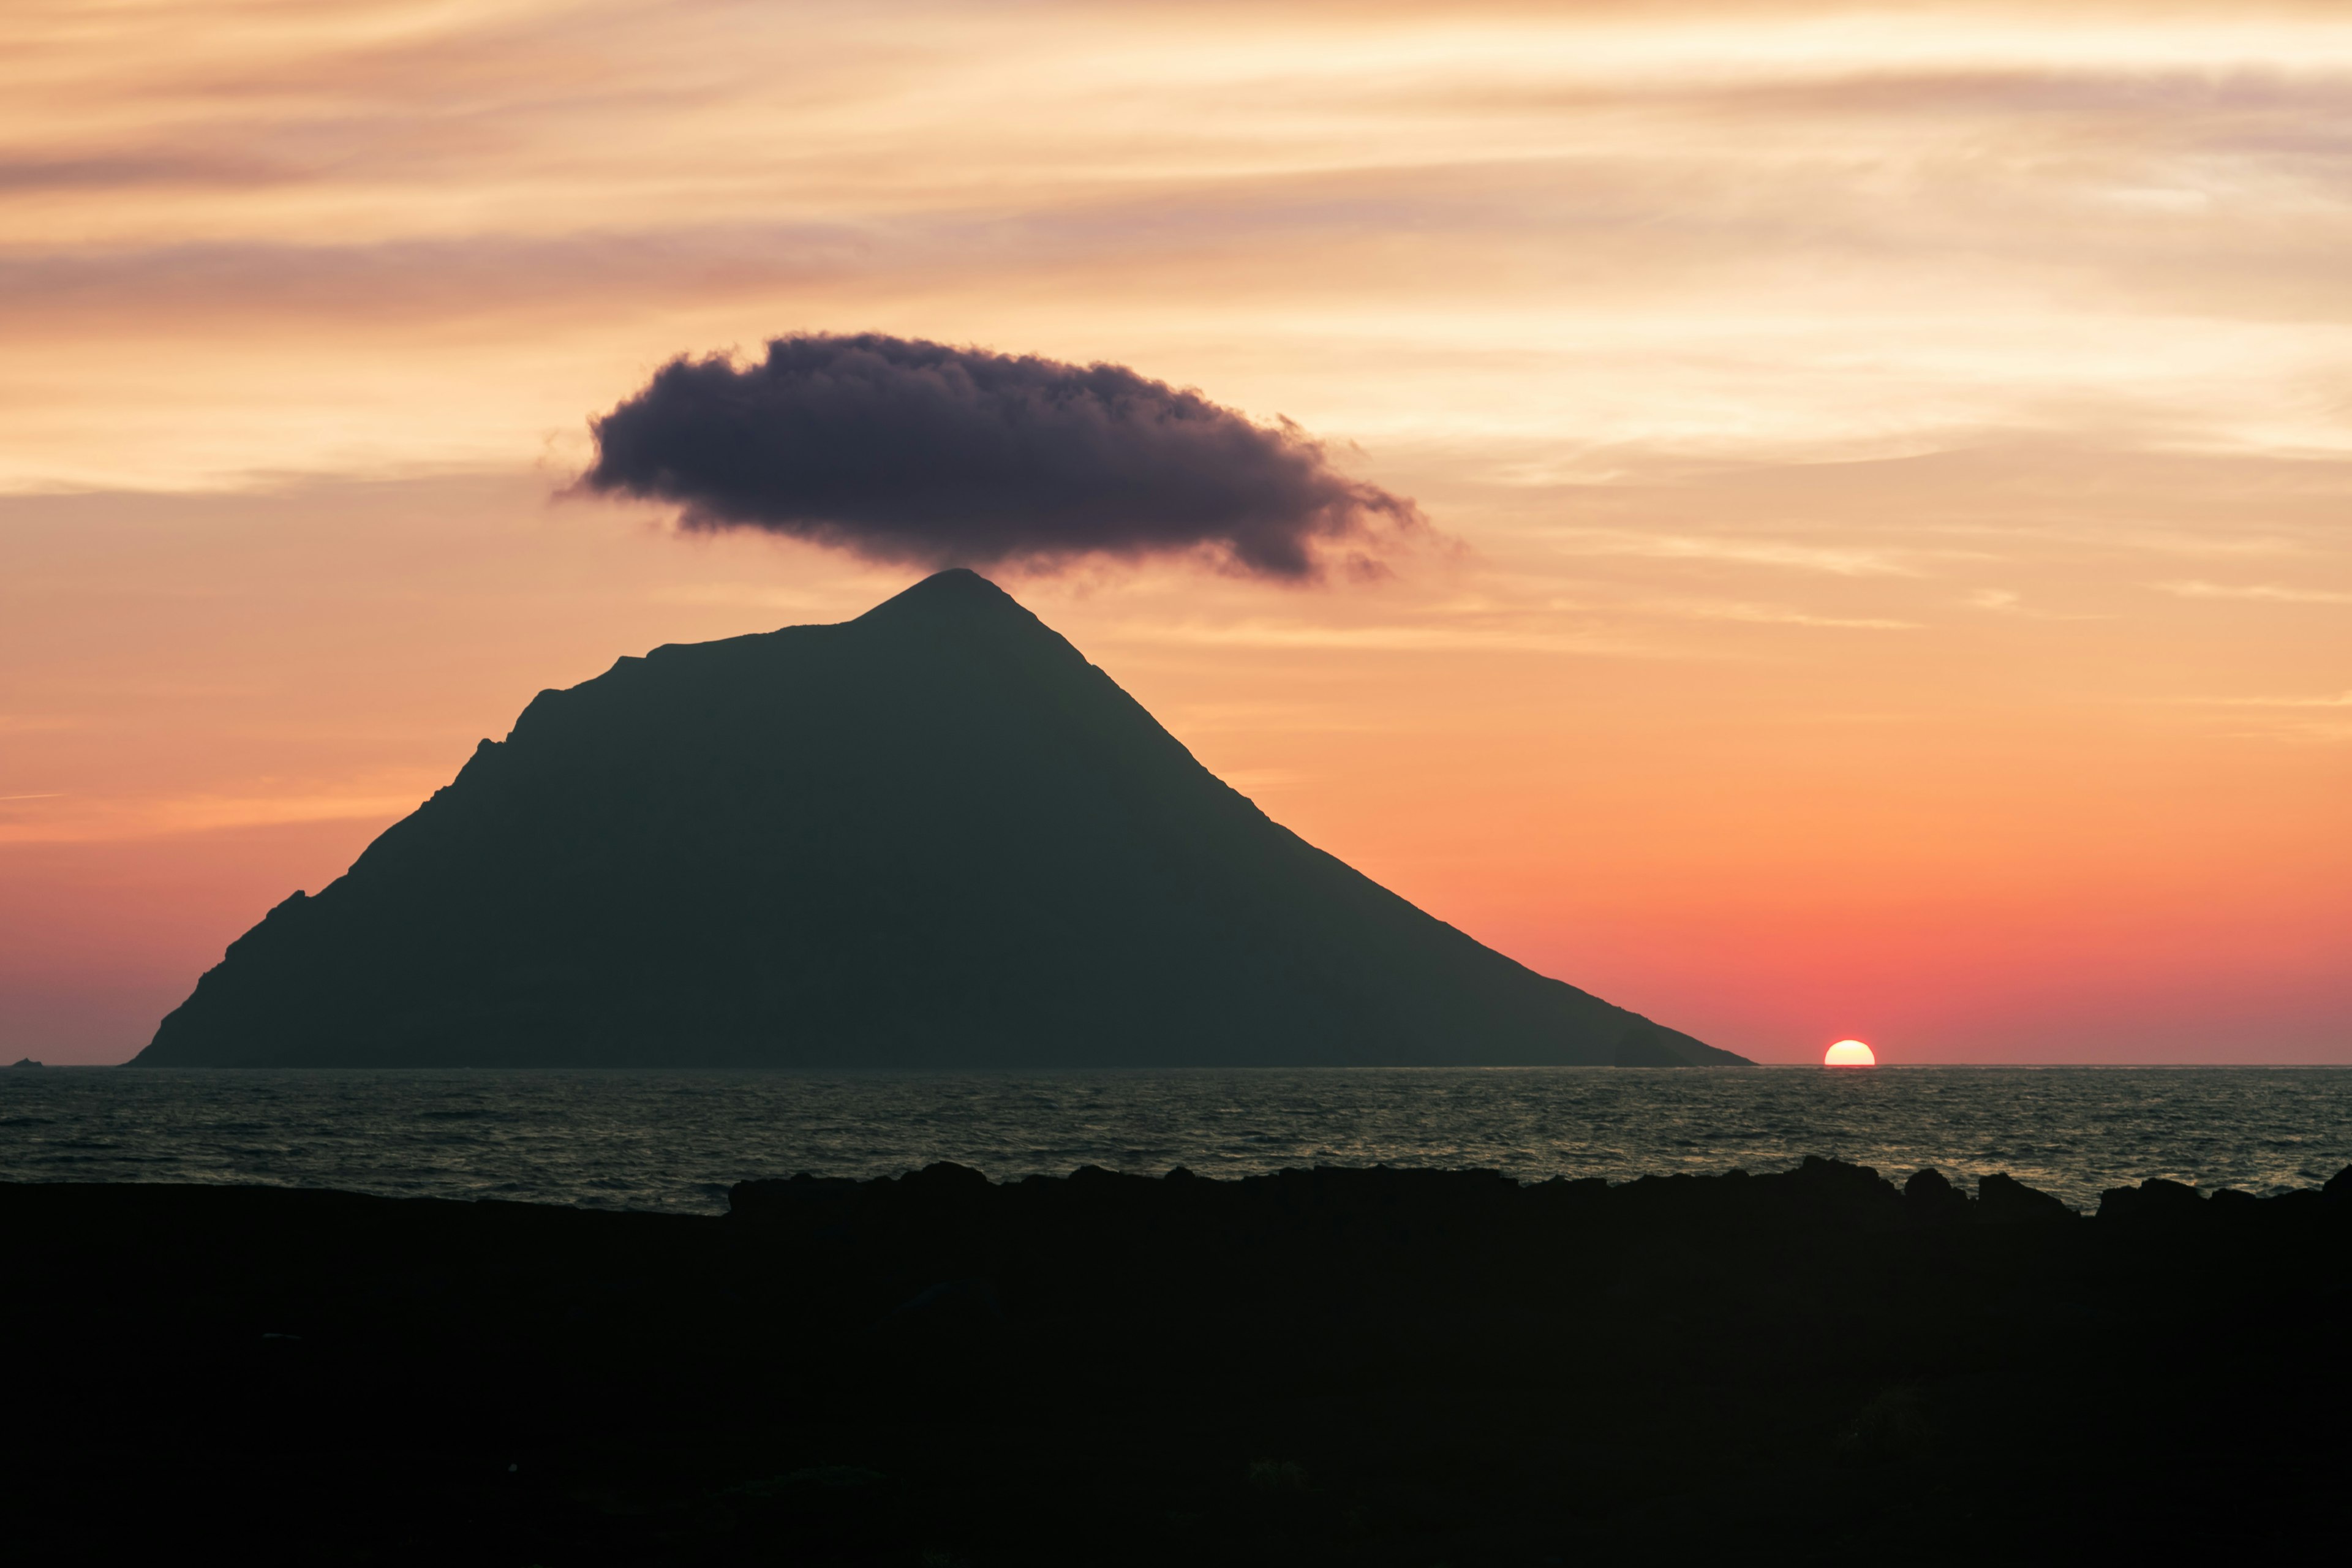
(2285, 718)
(1841, 561)
(1775, 615)
(2262, 593)
(1417, 639)
(2342, 700)
(1635, 225)
(2304, 718)
(2009, 602)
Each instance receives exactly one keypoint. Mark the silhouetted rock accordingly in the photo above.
(1892, 1427)
(948, 1179)
(2002, 1199)
(1834, 1187)
(1378, 1368)
(2155, 1202)
(933, 835)
(23, 1062)
(1930, 1199)
(951, 1304)
(952, 1204)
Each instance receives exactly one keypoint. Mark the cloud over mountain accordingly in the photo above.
(900, 449)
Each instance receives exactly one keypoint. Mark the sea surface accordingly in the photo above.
(676, 1140)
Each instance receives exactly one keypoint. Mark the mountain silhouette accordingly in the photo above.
(934, 836)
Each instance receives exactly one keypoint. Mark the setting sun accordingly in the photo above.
(1849, 1054)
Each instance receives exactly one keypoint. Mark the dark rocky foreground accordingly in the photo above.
(1378, 1367)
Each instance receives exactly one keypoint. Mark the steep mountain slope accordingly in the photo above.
(934, 835)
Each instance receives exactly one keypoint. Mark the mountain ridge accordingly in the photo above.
(931, 836)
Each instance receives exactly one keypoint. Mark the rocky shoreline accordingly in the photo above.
(1361, 1367)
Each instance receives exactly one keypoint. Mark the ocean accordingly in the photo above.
(676, 1141)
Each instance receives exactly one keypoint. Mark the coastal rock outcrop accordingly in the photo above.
(2002, 1199)
(1368, 1368)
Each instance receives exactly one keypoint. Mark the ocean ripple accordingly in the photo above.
(674, 1140)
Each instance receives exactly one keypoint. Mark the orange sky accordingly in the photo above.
(1899, 460)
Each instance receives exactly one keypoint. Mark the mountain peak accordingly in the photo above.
(958, 591)
(931, 837)
(959, 614)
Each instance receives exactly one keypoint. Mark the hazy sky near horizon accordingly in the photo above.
(1891, 466)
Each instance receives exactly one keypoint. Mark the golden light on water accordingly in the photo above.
(1850, 1054)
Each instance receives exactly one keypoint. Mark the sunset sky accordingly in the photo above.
(1888, 469)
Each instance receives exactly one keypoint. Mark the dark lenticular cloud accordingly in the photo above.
(905, 450)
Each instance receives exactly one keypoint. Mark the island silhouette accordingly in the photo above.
(932, 837)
